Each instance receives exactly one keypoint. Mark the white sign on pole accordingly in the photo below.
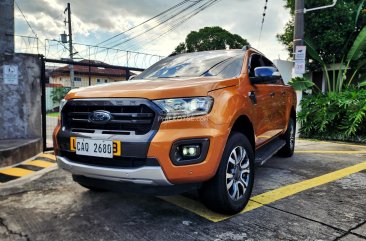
(299, 67)
(300, 53)
(10, 74)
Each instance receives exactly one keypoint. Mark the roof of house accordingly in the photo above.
(103, 70)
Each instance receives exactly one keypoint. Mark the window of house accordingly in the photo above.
(98, 80)
(77, 79)
(105, 81)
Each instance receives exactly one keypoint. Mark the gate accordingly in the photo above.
(56, 82)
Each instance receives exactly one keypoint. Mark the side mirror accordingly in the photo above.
(265, 75)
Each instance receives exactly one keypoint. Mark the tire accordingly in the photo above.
(215, 194)
(289, 136)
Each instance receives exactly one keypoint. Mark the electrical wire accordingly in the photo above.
(176, 24)
(148, 20)
(263, 18)
(154, 27)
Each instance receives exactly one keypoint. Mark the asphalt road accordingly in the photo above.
(319, 194)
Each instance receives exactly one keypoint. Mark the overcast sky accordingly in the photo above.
(95, 21)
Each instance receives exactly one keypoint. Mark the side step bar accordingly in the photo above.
(265, 152)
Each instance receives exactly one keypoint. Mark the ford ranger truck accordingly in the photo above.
(196, 120)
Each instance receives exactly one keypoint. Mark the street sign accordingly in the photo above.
(299, 67)
(300, 53)
(10, 74)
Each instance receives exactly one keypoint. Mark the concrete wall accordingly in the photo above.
(6, 26)
(20, 105)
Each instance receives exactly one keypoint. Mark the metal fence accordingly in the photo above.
(56, 82)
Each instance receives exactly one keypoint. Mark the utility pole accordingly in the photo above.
(299, 23)
(300, 11)
(68, 9)
(299, 27)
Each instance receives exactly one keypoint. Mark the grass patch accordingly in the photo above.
(53, 114)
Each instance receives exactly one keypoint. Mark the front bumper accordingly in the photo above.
(148, 175)
(156, 144)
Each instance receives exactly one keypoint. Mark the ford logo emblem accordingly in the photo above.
(100, 117)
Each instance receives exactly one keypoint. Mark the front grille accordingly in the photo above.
(116, 162)
(136, 118)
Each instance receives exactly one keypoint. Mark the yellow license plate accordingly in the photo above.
(117, 150)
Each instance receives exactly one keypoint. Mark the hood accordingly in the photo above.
(153, 89)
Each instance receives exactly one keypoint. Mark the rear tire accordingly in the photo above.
(228, 192)
(289, 136)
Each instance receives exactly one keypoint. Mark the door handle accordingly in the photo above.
(272, 94)
(252, 97)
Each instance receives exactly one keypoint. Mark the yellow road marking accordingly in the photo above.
(331, 152)
(267, 197)
(46, 155)
(329, 142)
(16, 172)
(40, 163)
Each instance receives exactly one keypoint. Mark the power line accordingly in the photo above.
(148, 20)
(152, 28)
(20, 10)
(173, 21)
(263, 18)
(162, 18)
(180, 21)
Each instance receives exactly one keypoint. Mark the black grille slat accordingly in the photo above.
(139, 118)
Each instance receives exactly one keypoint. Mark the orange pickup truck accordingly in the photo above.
(197, 120)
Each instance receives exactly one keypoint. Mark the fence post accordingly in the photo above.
(43, 103)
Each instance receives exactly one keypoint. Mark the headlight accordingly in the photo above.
(185, 107)
(62, 104)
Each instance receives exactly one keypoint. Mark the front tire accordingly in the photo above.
(228, 192)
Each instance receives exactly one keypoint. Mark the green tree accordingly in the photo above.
(331, 29)
(210, 38)
(58, 93)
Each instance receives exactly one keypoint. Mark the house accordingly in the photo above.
(85, 75)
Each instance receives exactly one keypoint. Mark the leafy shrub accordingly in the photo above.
(337, 116)
(58, 93)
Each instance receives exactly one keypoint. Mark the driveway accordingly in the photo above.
(318, 194)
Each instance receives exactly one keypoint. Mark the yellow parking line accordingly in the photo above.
(331, 152)
(268, 197)
(46, 155)
(40, 163)
(329, 142)
(16, 172)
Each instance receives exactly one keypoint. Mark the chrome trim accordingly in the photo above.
(142, 175)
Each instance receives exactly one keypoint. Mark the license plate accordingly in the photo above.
(97, 148)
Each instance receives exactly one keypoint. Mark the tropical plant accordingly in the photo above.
(301, 84)
(354, 57)
(340, 116)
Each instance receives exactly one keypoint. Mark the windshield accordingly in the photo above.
(223, 64)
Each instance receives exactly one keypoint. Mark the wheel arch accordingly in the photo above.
(243, 125)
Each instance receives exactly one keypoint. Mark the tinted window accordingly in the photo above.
(255, 61)
(267, 63)
(223, 64)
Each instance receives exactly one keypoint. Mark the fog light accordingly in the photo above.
(190, 151)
